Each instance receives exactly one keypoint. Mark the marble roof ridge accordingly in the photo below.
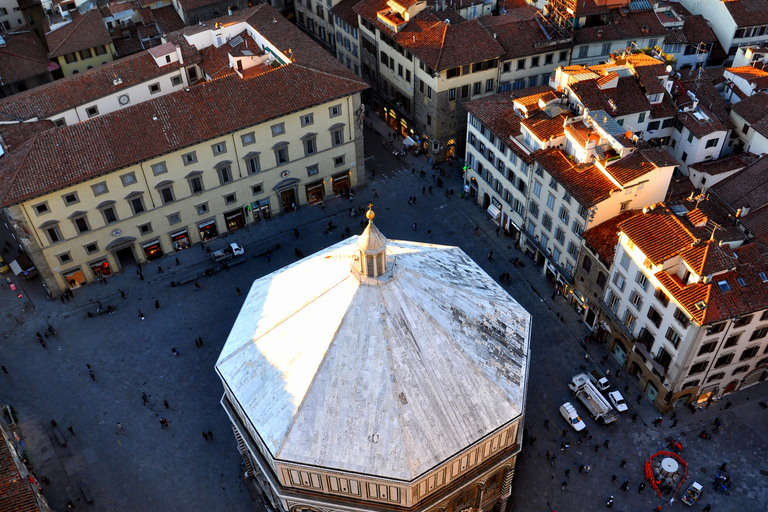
(280, 322)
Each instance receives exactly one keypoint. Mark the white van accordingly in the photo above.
(572, 417)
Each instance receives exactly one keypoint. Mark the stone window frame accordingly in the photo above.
(257, 189)
(309, 142)
(219, 148)
(339, 161)
(253, 156)
(278, 149)
(334, 110)
(104, 207)
(97, 193)
(92, 111)
(245, 142)
(224, 172)
(65, 257)
(145, 229)
(230, 198)
(74, 201)
(162, 187)
(44, 204)
(174, 218)
(337, 129)
(189, 158)
(277, 129)
(205, 210)
(80, 216)
(193, 176)
(127, 176)
(52, 226)
(307, 119)
(160, 167)
(94, 251)
(133, 196)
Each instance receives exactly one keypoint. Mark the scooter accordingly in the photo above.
(704, 435)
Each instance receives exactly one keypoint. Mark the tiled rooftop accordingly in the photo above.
(61, 95)
(752, 109)
(585, 182)
(84, 31)
(658, 233)
(521, 38)
(621, 28)
(725, 164)
(748, 188)
(544, 127)
(149, 129)
(23, 56)
(16, 493)
(753, 75)
(626, 97)
(345, 11)
(604, 237)
(167, 19)
(638, 164)
(748, 13)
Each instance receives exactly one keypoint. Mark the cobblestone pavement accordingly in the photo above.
(175, 468)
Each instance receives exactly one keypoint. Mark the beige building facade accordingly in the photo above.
(165, 184)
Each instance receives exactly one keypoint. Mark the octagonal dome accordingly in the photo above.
(387, 379)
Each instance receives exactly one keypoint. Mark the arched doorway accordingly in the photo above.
(619, 351)
(731, 387)
(758, 375)
(651, 392)
(486, 201)
(683, 400)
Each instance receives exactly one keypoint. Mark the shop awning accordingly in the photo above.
(494, 212)
(605, 327)
(408, 141)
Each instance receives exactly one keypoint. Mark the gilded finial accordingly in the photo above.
(369, 214)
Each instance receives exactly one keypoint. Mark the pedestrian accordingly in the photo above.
(120, 428)
(613, 478)
(429, 233)
(597, 447)
(477, 230)
(93, 377)
(197, 344)
(122, 294)
(674, 415)
(618, 372)
(568, 473)
(563, 486)
(237, 291)
(71, 430)
(498, 230)
(707, 508)
(608, 372)
(42, 342)
(639, 397)
(533, 439)
(626, 389)
(178, 263)
(157, 304)
(625, 485)
(174, 351)
(549, 454)
(674, 423)
(640, 487)
(5, 370)
(200, 339)
(490, 256)
(634, 417)
(546, 422)
(578, 442)
(165, 403)
(70, 504)
(163, 423)
(565, 431)
(296, 232)
(562, 446)
(581, 468)
(414, 226)
(197, 285)
(554, 294)
(144, 399)
(423, 190)
(205, 436)
(605, 444)
(375, 194)
(623, 463)
(159, 269)
(587, 469)
(722, 468)
(727, 404)
(39, 336)
(552, 461)
(141, 315)
(210, 435)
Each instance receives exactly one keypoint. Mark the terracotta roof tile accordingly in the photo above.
(55, 97)
(604, 237)
(16, 493)
(753, 75)
(345, 10)
(167, 19)
(497, 113)
(752, 109)
(441, 46)
(621, 28)
(545, 127)
(626, 96)
(703, 86)
(703, 124)
(748, 188)
(215, 62)
(84, 31)
(686, 295)
(603, 80)
(523, 37)
(666, 108)
(726, 164)
(748, 13)
(639, 163)
(60, 157)
(585, 182)
(23, 56)
(658, 233)
(697, 30)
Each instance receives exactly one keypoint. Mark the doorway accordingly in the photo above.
(486, 201)
(288, 200)
(590, 317)
(125, 257)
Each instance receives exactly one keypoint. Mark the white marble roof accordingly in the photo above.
(386, 380)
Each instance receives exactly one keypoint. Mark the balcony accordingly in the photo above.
(392, 19)
(617, 322)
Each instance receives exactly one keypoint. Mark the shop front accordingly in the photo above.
(287, 192)
(315, 192)
(100, 268)
(74, 278)
(494, 210)
(340, 183)
(208, 230)
(152, 250)
(180, 240)
(235, 219)
(260, 210)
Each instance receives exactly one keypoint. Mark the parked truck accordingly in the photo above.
(692, 494)
(227, 252)
(599, 379)
(593, 400)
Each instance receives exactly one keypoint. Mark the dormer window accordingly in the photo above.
(724, 286)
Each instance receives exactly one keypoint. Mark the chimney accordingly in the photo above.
(599, 33)
(178, 54)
